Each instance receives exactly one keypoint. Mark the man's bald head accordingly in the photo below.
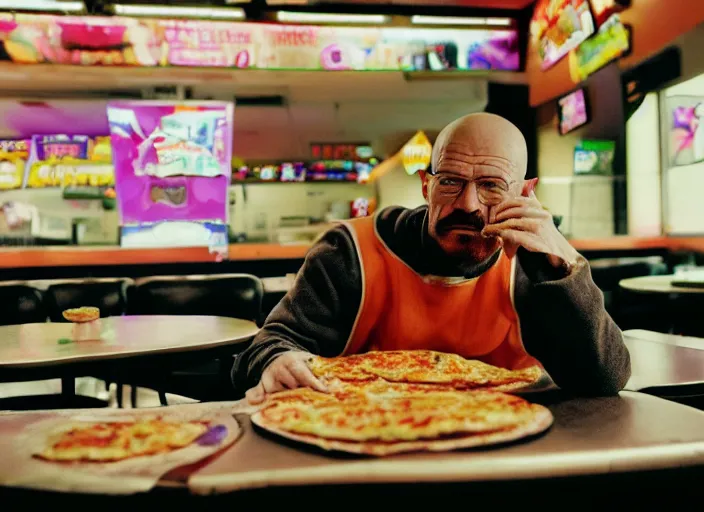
(479, 136)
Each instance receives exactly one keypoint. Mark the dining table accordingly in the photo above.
(125, 348)
(629, 445)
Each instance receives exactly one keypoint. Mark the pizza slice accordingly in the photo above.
(114, 441)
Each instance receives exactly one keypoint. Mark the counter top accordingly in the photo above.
(67, 256)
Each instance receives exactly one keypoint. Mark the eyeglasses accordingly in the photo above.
(490, 191)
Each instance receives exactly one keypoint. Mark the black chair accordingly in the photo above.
(226, 295)
(108, 294)
(21, 304)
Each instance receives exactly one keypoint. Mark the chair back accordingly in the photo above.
(21, 304)
(227, 295)
(109, 295)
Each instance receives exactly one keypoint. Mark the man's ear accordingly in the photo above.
(529, 186)
(424, 183)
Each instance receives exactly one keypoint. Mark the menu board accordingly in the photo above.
(117, 41)
(172, 165)
(612, 41)
(68, 160)
(13, 159)
(559, 26)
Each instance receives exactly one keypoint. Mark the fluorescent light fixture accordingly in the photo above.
(456, 20)
(320, 17)
(42, 5)
(172, 11)
(499, 22)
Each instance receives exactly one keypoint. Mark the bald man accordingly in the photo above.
(480, 271)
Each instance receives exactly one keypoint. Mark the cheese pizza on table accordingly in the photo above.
(383, 418)
(119, 440)
(423, 367)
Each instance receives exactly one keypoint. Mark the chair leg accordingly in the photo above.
(118, 393)
(133, 396)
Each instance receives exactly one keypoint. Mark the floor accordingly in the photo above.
(88, 386)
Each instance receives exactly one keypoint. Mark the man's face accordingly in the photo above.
(461, 195)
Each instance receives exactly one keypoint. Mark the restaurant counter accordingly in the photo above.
(18, 257)
(262, 259)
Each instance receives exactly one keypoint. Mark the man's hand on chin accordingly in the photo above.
(523, 222)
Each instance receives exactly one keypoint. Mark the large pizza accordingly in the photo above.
(423, 367)
(112, 441)
(386, 402)
(383, 418)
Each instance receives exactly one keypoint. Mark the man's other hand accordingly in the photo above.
(287, 371)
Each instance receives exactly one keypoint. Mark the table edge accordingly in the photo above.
(388, 471)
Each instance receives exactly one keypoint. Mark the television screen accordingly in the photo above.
(572, 111)
(612, 41)
(594, 157)
(559, 26)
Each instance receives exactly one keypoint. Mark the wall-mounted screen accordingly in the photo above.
(594, 157)
(559, 26)
(572, 111)
(611, 42)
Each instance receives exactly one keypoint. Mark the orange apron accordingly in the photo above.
(402, 310)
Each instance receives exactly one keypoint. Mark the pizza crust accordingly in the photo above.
(542, 421)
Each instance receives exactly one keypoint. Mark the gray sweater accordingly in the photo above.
(562, 317)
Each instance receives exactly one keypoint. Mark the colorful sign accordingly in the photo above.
(416, 154)
(13, 159)
(172, 164)
(611, 42)
(68, 160)
(594, 157)
(116, 41)
(685, 123)
(559, 26)
(361, 152)
(572, 111)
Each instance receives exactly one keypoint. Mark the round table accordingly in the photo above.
(681, 304)
(33, 352)
(657, 284)
(667, 366)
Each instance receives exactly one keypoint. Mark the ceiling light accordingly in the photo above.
(454, 20)
(42, 5)
(320, 17)
(499, 22)
(171, 11)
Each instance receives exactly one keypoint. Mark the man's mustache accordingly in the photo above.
(460, 219)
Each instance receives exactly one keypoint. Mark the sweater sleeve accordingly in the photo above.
(316, 315)
(565, 326)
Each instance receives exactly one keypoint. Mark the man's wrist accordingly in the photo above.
(565, 264)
